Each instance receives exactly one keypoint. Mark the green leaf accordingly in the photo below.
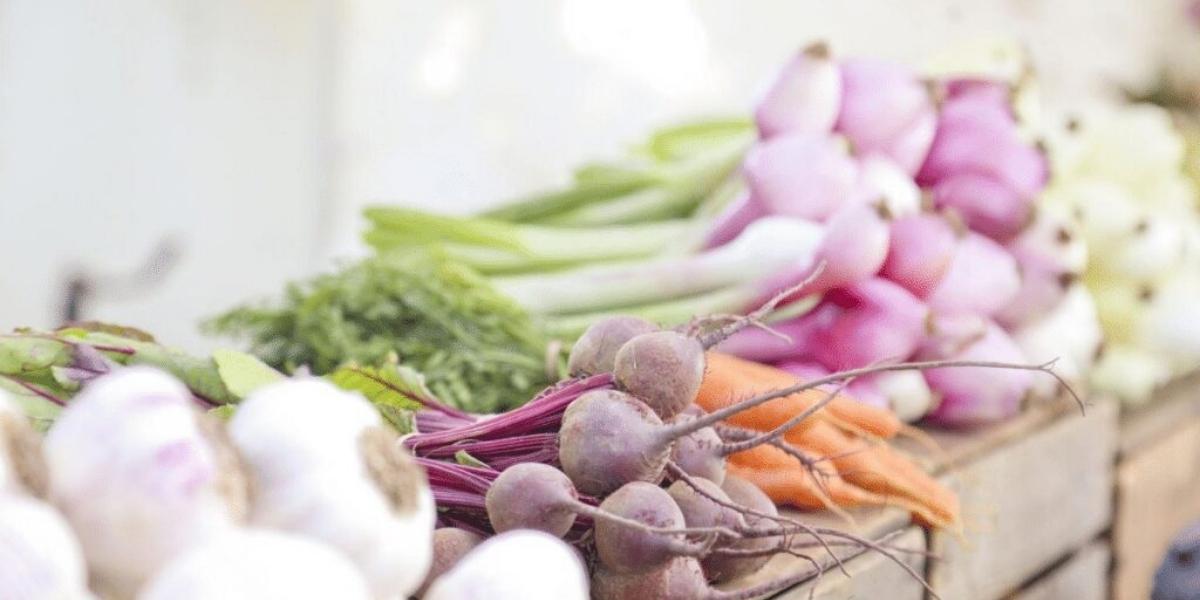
(199, 374)
(25, 354)
(40, 410)
(389, 385)
(243, 373)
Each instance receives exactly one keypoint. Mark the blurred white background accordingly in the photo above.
(251, 132)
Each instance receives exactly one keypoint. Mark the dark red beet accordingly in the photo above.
(531, 496)
(664, 369)
(596, 350)
(449, 545)
(609, 438)
(624, 549)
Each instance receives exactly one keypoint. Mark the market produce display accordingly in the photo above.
(610, 391)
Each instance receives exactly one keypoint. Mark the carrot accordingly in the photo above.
(728, 379)
(878, 468)
(789, 484)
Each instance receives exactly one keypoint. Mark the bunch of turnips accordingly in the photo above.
(948, 253)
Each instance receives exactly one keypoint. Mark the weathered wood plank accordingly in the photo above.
(1084, 576)
(1177, 404)
(872, 524)
(1158, 493)
(1027, 502)
(871, 575)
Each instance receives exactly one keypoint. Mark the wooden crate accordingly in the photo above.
(1083, 576)
(1157, 484)
(1033, 490)
(869, 574)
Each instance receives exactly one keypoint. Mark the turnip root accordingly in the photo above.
(22, 467)
(906, 393)
(596, 350)
(140, 475)
(879, 321)
(982, 279)
(258, 564)
(805, 96)
(973, 396)
(985, 204)
(518, 565)
(854, 247)
(664, 369)
(884, 184)
(39, 554)
(922, 247)
(1069, 333)
(323, 466)
(809, 176)
(886, 110)
(738, 215)
(1051, 254)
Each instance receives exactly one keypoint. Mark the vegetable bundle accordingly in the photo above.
(1120, 173)
(304, 494)
(972, 270)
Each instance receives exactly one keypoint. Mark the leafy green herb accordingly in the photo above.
(476, 348)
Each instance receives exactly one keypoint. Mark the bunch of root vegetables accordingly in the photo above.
(967, 266)
(616, 474)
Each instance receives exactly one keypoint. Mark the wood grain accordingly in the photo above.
(1027, 503)
(1158, 493)
(1084, 576)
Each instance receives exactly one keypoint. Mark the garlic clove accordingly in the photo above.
(255, 565)
(39, 555)
(132, 470)
(516, 565)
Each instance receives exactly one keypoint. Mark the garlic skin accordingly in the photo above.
(133, 473)
(325, 467)
(40, 558)
(517, 565)
(8, 470)
(258, 565)
(22, 467)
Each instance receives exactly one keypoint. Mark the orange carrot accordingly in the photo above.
(728, 379)
(877, 468)
(794, 486)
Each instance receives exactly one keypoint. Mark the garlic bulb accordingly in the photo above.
(40, 558)
(323, 465)
(22, 468)
(137, 475)
(258, 565)
(517, 565)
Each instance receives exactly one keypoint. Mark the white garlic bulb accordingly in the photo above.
(139, 477)
(21, 466)
(323, 465)
(258, 565)
(516, 565)
(40, 558)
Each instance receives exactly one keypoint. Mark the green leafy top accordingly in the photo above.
(476, 348)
